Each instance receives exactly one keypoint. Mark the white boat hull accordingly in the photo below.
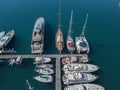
(79, 67)
(2, 34)
(44, 66)
(42, 59)
(6, 39)
(82, 45)
(84, 87)
(70, 45)
(44, 78)
(45, 71)
(37, 42)
(74, 78)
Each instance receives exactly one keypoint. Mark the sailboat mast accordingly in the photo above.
(70, 26)
(83, 30)
(59, 22)
(59, 35)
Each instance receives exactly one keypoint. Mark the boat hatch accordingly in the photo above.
(83, 44)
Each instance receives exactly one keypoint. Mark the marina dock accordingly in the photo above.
(43, 55)
(58, 74)
(57, 59)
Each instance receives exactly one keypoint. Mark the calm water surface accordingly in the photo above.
(103, 34)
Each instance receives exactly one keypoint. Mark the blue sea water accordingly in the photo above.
(102, 32)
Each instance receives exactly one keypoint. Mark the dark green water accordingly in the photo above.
(103, 34)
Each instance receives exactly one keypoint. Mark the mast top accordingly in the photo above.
(59, 21)
(83, 30)
(70, 26)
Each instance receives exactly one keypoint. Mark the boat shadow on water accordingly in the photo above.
(49, 38)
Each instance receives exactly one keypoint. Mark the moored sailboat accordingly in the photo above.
(81, 42)
(59, 35)
(70, 42)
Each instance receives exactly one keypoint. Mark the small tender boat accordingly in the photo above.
(84, 87)
(45, 71)
(77, 77)
(69, 59)
(79, 67)
(44, 66)
(82, 59)
(73, 59)
(6, 39)
(39, 60)
(44, 78)
(11, 61)
(2, 34)
(17, 61)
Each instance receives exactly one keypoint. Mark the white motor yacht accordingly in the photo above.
(84, 87)
(6, 39)
(79, 67)
(77, 77)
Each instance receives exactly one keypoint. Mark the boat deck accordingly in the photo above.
(59, 40)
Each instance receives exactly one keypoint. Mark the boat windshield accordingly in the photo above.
(44, 77)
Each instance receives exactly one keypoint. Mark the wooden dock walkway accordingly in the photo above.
(58, 74)
(43, 55)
